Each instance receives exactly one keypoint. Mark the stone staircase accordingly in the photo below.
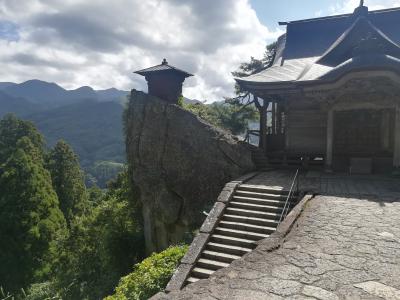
(252, 214)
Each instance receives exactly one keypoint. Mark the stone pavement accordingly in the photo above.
(331, 184)
(339, 248)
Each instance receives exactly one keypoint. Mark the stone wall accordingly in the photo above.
(179, 164)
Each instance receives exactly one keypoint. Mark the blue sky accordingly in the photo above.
(8, 31)
(271, 12)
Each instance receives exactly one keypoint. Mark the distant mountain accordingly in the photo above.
(93, 129)
(19, 106)
(37, 91)
(3, 85)
(53, 95)
(89, 120)
(49, 94)
(191, 101)
(112, 93)
(84, 92)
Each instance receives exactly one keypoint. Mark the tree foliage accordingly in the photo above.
(235, 113)
(30, 218)
(68, 180)
(101, 245)
(252, 67)
(229, 116)
(150, 276)
(12, 130)
(257, 65)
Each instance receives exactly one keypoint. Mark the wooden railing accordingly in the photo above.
(250, 133)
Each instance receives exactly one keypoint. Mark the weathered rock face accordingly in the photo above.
(180, 164)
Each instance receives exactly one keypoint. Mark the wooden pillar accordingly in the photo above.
(263, 126)
(385, 130)
(273, 118)
(396, 156)
(329, 141)
(287, 129)
(278, 118)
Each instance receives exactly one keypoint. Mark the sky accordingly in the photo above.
(99, 43)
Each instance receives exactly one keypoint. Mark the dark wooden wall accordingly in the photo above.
(306, 130)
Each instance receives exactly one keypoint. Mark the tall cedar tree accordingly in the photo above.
(30, 218)
(103, 244)
(68, 180)
(11, 130)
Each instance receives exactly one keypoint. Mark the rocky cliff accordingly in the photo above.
(180, 164)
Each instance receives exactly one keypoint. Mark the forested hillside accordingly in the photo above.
(93, 129)
(89, 120)
(60, 240)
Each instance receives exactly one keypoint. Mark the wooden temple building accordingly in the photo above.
(333, 91)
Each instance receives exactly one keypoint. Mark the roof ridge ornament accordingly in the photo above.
(361, 10)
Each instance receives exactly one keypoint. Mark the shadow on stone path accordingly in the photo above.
(339, 248)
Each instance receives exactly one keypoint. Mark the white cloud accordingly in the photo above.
(100, 43)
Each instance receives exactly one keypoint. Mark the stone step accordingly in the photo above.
(192, 279)
(240, 234)
(234, 241)
(270, 202)
(251, 194)
(246, 227)
(218, 256)
(201, 273)
(235, 250)
(262, 189)
(211, 264)
(256, 207)
(251, 220)
(252, 213)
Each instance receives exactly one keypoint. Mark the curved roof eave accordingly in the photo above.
(362, 64)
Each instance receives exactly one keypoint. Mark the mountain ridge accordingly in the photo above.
(52, 94)
(89, 120)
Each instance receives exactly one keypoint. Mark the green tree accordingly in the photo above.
(30, 219)
(103, 171)
(150, 276)
(68, 180)
(12, 130)
(229, 116)
(102, 245)
(256, 65)
(244, 98)
(95, 196)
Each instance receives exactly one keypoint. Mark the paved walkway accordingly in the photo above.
(332, 184)
(340, 248)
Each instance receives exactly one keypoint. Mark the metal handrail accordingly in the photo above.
(251, 132)
(291, 191)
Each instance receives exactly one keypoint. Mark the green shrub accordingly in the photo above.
(150, 276)
(42, 291)
(180, 101)
(233, 117)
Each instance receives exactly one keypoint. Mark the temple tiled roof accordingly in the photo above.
(315, 49)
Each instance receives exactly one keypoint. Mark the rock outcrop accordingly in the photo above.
(179, 163)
